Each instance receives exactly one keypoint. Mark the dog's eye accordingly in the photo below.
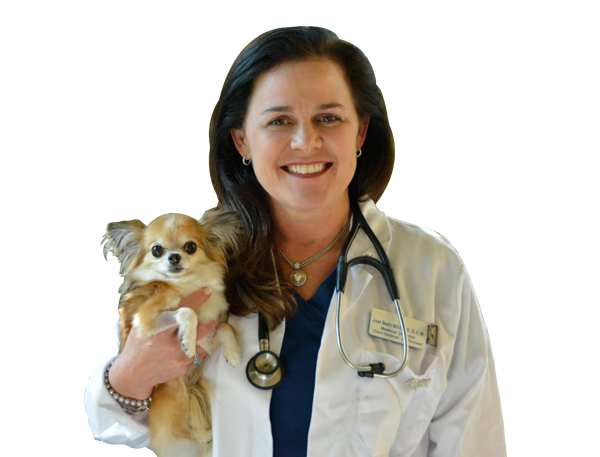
(157, 251)
(189, 247)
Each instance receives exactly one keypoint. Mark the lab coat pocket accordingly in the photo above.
(394, 412)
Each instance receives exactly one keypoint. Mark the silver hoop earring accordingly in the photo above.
(358, 153)
(246, 162)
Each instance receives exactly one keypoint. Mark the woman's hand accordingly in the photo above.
(146, 362)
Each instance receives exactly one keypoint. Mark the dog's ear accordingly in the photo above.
(224, 229)
(124, 240)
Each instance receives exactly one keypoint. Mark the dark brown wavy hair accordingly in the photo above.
(252, 283)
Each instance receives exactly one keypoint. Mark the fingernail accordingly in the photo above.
(207, 291)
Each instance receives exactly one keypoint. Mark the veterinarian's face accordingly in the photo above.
(302, 132)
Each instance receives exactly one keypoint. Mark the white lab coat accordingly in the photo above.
(457, 414)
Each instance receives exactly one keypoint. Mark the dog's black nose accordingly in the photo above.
(174, 259)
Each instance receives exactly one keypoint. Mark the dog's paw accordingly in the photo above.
(205, 438)
(231, 348)
(187, 344)
(233, 355)
(188, 323)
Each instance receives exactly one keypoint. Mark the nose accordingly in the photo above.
(174, 259)
(306, 137)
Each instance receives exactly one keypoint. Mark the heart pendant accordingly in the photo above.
(298, 278)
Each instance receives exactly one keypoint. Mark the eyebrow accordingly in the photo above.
(288, 109)
(331, 105)
(285, 109)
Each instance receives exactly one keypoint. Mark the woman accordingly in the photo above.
(299, 134)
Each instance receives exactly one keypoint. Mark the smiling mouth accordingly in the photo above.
(307, 169)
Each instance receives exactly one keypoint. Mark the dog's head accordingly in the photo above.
(171, 246)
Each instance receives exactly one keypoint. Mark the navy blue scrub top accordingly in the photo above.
(291, 401)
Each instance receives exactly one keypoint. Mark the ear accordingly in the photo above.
(224, 229)
(239, 139)
(124, 240)
(363, 126)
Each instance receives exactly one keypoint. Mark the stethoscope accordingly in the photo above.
(265, 370)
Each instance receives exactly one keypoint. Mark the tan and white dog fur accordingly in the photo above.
(162, 263)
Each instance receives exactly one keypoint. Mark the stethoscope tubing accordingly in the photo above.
(265, 370)
(384, 267)
(369, 369)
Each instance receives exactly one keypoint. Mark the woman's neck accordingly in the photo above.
(301, 235)
(303, 232)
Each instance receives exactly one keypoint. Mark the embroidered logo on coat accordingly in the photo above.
(417, 383)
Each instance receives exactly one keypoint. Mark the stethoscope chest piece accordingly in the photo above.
(264, 370)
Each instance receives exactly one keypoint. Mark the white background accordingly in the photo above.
(553, 175)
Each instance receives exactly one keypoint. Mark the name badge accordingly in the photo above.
(387, 326)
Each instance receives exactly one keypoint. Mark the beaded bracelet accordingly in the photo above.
(130, 405)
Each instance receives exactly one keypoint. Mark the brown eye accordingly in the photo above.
(157, 251)
(329, 119)
(189, 247)
(279, 121)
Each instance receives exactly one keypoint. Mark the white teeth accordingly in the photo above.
(306, 169)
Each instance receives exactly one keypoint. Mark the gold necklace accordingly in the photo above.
(298, 277)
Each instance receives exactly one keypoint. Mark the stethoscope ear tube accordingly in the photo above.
(375, 369)
(384, 267)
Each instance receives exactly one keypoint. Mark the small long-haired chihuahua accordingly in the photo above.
(161, 264)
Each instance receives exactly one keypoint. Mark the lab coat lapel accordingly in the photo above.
(334, 415)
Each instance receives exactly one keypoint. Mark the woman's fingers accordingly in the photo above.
(147, 361)
(197, 299)
(162, 352)
(207, 327)
(203, 330)
(194, 301)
